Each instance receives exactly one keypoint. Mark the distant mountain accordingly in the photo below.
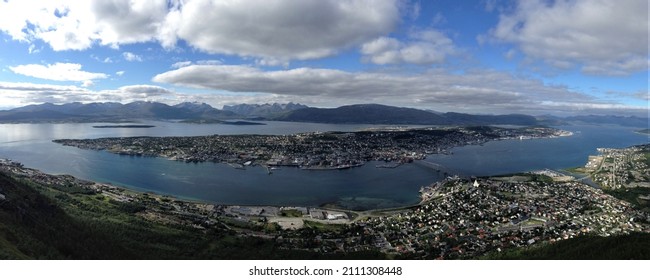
(382, 114)
(623, 121)
(364, 113)
(292, 112)
(512, 119)
(112, 112)
(202, 111)
(263, 111)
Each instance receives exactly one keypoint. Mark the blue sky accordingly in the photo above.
(535, 57)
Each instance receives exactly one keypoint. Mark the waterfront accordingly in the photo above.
(360, 188)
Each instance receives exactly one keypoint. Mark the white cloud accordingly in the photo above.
(129, 56)
(474, 91)
(147, 89)
(272, 62)
(21, 94)
(606, 37)
(87, 83)
(281, 30)
(123, 21)
(181, 64)
(37, 87)
(33, 50)
(273, 30)
(119, 73)
(468, 93)
(57, 72)
(423, 47)
(53, 22)
(209, 62)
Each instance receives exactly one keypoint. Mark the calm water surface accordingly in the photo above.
(361, 188)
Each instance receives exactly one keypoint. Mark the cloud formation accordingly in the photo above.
(284, 29)
(422, 47)
(277, 30)
(146, 89)
(21, 94)
(604, 37)
(476, 96)
(57, 72)
(473, 91)
(129, 56)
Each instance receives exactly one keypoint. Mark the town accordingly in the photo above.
(621, 168)
(319, 150)
(456, 219)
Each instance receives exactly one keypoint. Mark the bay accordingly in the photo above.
(512, 156)
(365, 187)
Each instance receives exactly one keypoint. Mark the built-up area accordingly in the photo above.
(457, 218)
(328, 150)
(621, 168)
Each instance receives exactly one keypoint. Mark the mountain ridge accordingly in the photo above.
(383, 114)
(266, 110)
(291, 112)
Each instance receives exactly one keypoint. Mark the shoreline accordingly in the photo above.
(313, 151)
(21, 170)
(567, 211)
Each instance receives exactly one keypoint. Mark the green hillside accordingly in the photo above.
(635, 246)
(53, 222)
(72, 222)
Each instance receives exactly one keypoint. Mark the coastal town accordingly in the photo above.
(456, 219)
(316, 150)
(620, 168)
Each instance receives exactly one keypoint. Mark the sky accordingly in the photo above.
(534, 57)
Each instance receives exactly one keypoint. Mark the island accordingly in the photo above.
(212, 121)
(125, 126)
(314, 150)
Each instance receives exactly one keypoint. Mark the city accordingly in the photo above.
(318, 150)
(456, 218)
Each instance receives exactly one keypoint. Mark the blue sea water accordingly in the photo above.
(360, 188)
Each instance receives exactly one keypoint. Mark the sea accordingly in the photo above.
(360, 188)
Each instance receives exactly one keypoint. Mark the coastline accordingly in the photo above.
(124, 193)
(313, 151)
(451, 211)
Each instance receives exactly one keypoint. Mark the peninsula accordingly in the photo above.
(124, 126)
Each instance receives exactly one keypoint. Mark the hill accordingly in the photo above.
(635, 246)
(631, 121)
(291, 112)
(112, 112)
(66, 220)
(267, 111)
(382, 114)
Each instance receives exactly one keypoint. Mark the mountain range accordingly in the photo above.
(112, 112)
(291, 112)
(266, 111)
(382, 114)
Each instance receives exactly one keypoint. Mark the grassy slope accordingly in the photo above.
(42, 222)
(623, 247)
